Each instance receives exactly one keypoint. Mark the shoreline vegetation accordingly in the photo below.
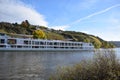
(46, 33)
(103, 66)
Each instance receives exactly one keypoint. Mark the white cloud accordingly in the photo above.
(17, 11)
(63, 27)
(85, 31)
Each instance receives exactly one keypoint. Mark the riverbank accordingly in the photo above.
(104, 66)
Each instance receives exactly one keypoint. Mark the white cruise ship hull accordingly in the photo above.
(28, 44)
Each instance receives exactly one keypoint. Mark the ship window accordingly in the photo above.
(42, 43)
(77, 44)
(49, 43)
(69, 44)
(1, 46)
(36, 46)
(13, 46)
(32, 42)
(29, 42)
(80, 44)
(26, 42)
(2, 41)
(72, 44)
(66, 44)
(11, 41)
(55, 43)
(55, 47)
(61, 47)
(66, 47)
(42, 47)
(90, 44)
(19, 46)
(26, 46)
(37, 43)
(62, 43)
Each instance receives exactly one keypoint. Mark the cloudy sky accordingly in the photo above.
(98, 17)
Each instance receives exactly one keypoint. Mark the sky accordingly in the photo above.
(97, 17)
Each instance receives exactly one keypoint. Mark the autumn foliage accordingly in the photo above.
(39, 34)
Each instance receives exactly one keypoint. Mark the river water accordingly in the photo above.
(38, 65)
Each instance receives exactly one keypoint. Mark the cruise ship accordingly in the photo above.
(25, 43)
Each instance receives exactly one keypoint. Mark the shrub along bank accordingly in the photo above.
(104, 66)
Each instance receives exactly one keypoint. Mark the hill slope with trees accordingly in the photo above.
(26, 28)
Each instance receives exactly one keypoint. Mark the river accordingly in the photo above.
(38, 65)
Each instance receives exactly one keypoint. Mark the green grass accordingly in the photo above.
(54, 36)
(104, 66)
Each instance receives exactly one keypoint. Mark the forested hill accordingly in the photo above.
(116, 43)
(26, 28)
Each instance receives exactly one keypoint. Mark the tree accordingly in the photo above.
(106, 44)
(25, 24)
(96, 42)
(39, 34)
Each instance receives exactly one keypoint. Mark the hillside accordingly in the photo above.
(116, 43)
(26, 28)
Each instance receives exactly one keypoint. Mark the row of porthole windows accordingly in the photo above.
(20, 46)
(50, 43)
(13, 41)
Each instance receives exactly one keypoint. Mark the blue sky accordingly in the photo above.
(98, 17)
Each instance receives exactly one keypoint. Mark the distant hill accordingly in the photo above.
(26, 28)
(116, 43)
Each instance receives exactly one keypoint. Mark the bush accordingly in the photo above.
(39, 34)
(104, 66)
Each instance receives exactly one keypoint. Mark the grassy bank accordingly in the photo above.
(104, 66)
